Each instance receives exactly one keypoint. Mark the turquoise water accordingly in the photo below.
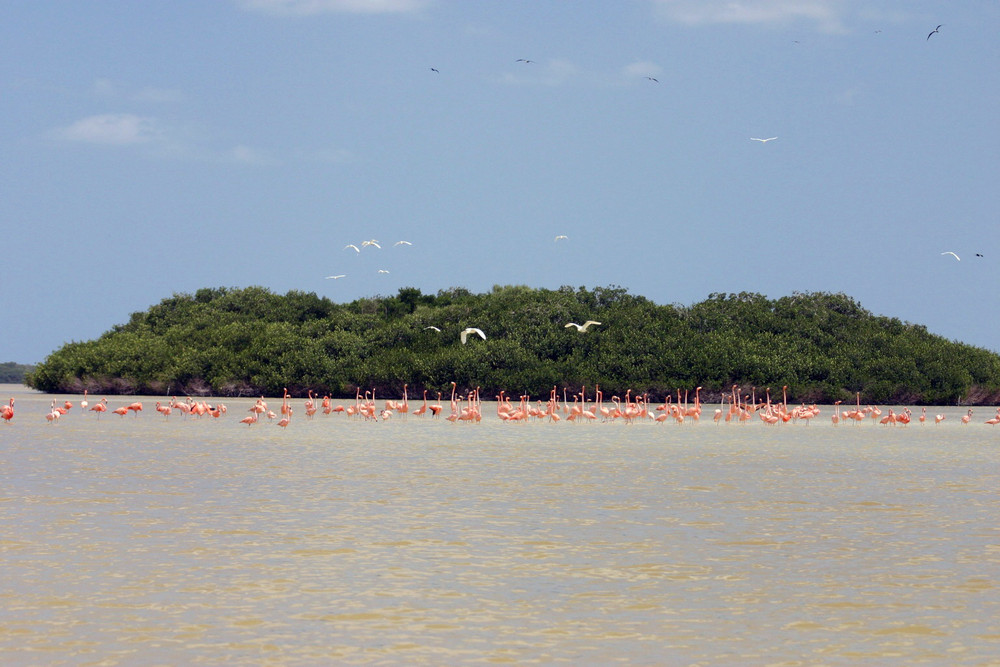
(151, 540)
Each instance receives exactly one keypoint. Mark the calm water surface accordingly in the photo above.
(151, 540)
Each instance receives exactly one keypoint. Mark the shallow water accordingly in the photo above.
(152, 540)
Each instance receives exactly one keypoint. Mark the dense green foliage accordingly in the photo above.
(11, 372)
(250, 341)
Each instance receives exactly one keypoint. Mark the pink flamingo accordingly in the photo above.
(99, 407)
(423, 408)
(436, 407)
(404, 407)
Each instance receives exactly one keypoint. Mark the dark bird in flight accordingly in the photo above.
(933, 31)
(652, 79)
(434, 70)
(979, 254)
(526, 62)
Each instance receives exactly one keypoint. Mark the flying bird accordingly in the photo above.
(382, 271)
(582, 327)
(432, 327)
(953, 255)
(342, 275)
(763, 141)
(526, 62)
(351, 245)
(471, 330)
(649, 78)
(434, 70)
(372, 242)
(933, 31)
(402, 243)
(561, 237)
(979, 254)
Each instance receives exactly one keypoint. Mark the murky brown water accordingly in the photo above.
(151, 540)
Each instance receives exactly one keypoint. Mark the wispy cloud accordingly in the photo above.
(148, 95)
(825, 15)
(641, 69)
(550, 73)
(123, 129)
(250, 156)
(312, 7)
(151, 137)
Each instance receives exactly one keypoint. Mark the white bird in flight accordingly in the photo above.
(342, 275)
(383, 271)
(953, 255)
(402, 243)
(582, 327)
(372, 242)
(471, 330)
(351, 245)
(763, 141)
(561, 237)
(432, 327)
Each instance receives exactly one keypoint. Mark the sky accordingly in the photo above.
(155, 148)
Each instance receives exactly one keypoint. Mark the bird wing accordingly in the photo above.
(351, 245)
(594, 322)
(953, 255)
(574, 324)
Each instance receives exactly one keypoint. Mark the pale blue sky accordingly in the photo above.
(157, 147)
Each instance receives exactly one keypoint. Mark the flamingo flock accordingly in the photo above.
(576, 407)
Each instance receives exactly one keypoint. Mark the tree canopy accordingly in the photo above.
(250, 341)
(11, 372)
